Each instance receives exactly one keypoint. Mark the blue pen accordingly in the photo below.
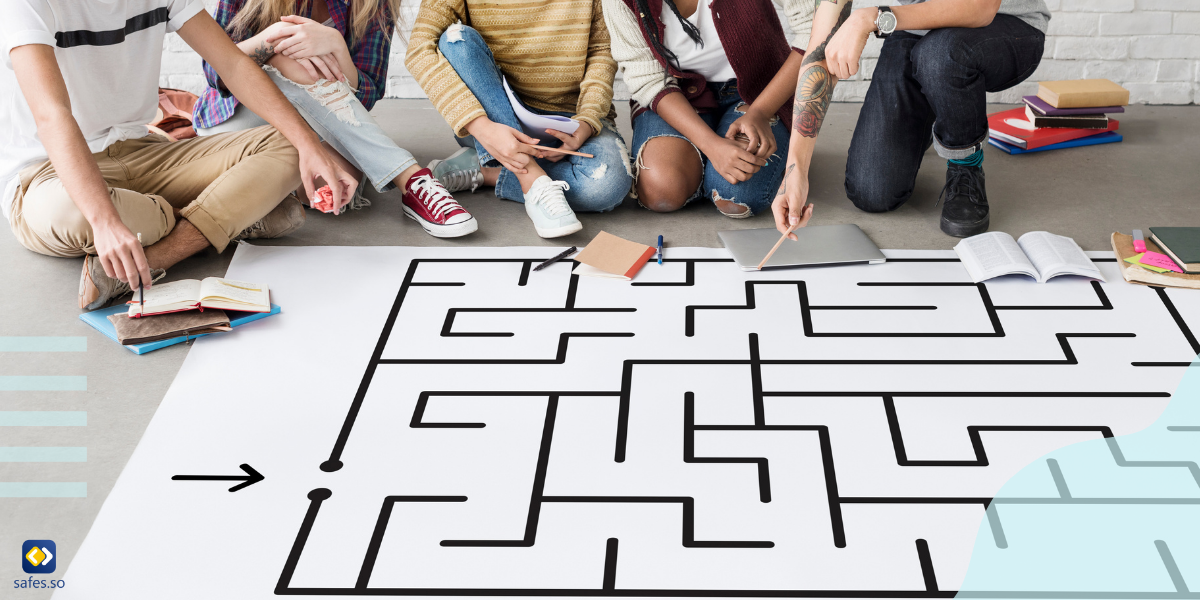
(660, 249)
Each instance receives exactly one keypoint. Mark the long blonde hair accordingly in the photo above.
(257, 15)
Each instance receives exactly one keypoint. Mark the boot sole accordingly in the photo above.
(443, 231)
(962, 230)
(558, 231)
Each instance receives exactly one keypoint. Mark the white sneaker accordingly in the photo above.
(547, 207)
(459, 171)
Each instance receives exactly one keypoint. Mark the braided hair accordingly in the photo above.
(652, 31)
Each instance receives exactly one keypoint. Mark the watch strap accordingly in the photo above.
(879, 33)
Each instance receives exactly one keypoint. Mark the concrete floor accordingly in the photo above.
(1150, 179)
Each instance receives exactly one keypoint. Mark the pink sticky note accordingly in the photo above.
(1161, 261)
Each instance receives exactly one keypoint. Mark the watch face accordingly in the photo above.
(887, 22)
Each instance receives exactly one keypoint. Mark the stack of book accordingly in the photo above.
(1063, 114)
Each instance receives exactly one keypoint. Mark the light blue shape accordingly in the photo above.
(43, 383)
(43, 418)
(1128, 525)
(43, 454)
(43, 344)
(42, 489)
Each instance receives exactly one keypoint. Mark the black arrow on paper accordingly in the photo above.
(250, 478)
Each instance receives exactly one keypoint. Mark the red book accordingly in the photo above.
(1013, 127)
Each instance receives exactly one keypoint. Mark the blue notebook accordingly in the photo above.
(1109, 137)
(98, 319)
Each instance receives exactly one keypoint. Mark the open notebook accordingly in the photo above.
(213, 292)
(1038, 254)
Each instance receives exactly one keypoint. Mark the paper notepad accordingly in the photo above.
(213, 292)
(611, 257)
(536, 125)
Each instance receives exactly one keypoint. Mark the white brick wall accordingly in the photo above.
(1152, 47)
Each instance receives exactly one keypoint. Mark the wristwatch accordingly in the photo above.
(885, 22)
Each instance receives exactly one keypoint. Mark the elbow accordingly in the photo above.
(985, 11)
(51, 116)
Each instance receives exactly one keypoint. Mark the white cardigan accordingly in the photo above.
(644, 75)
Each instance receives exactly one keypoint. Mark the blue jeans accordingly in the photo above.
(597, 184)
(932, 90)
(342, 122)
(756, 193)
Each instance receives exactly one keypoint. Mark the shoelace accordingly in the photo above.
(555, 204)
(434, 196)
(461, 180)
(962, 179)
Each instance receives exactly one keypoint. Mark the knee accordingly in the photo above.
(460, 41)
(664, 189)
(875, 192)
(604, 189)
(53, 211)
(936, 58)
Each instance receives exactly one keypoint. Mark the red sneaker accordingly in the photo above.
(427, 202)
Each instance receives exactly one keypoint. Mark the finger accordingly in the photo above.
(730, 178)
(308, 66)
(753, 159)
(106, 262)
(129, 267)
(334, 66)
(779, 209)
(808, 213)
(770, 144)
(142, 265)
(520, 135)
(285, 32)
(752, 139)
(309, 180)
(322, 67)
(733, 131)
(297, 50)
(292, 18)
(556, 157)
(338, 190)
(564, 138)
(528, 150)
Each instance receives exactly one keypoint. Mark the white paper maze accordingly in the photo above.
(708, 432)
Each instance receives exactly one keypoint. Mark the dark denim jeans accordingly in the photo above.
(932, 90)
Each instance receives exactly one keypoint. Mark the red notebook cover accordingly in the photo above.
(1036, 138)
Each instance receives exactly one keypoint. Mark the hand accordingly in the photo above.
(843, 51)
(511, 147)
(314, 164)
(731, 160)
(323, 67)
(305, 38)
(121, 254)
(790, 206)
(755, 129)
(570, 142)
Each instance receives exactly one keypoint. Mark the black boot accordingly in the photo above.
(965, 212)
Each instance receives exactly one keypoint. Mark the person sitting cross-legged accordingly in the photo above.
(330, 58)
(555, 56)
(938, 61)
(82, 176)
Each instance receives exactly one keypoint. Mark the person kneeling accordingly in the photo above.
(555, 66)
(708, 118)
(83, 177)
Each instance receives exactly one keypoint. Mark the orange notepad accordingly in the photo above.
(610, 256)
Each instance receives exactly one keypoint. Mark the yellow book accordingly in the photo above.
(1082, 93)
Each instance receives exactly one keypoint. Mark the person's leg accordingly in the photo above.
(598, 184)
(747, 198)
(892, 133)
(956, 68)
(469, 55)
(668, 169)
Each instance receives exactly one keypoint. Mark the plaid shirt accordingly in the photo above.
(370, 55)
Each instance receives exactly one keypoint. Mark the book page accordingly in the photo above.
(1055, 255)
(993, 254)
(236, 292)
(165, 294)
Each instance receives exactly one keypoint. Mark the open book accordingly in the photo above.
(212, 292)
(1038, 254)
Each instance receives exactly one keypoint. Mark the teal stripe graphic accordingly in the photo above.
(43, 383)
(43, 344)
(39, 489)
(42, 454)
(43, 418)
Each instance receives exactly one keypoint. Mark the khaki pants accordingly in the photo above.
(221, 184)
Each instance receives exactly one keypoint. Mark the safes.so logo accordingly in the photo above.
(37, 556)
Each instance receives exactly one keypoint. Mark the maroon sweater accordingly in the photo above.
(754, 42)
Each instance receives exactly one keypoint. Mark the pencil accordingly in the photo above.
(560, 150)
(777, 245)
(556, 258)
(141, 288)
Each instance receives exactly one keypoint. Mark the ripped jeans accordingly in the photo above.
(757, 193)
(597, 184)
(341, 120)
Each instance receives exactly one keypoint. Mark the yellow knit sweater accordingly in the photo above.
(554, 53)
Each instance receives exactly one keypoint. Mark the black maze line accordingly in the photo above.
(453, 313)
(1183, 328)
(689, 451)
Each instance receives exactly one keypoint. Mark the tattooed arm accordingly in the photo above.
(814, 90)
